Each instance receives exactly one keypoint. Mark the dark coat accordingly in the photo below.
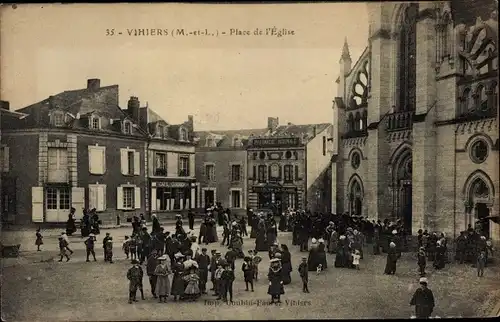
(275, 278)
(423, 299)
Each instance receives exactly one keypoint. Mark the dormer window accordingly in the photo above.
(183, 135)
(210, 142)
(127, 128)
(236, 142)
(58, 119)
(160, 131)
(95, 123)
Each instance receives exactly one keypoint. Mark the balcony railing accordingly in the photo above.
(161, 172)
(183, 173)
(400, 121)
(58, 176)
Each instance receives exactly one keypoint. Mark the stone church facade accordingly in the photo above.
(416, 118)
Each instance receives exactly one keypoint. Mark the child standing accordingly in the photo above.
(39, 239)
(227, 282)
(90, 245)
(248, 272)
(108, 250)
(355, 259)
(421, 261)
(63, 249)
(304, 274)
(126, 246)
(192, 279)
(133, 248)
(481, 262)
(255, 260)
(135, 275)
(218, 280)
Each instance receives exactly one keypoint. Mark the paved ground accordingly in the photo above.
(77, 290)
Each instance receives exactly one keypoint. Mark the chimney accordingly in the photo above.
(5, 105)
(93, 84)
(314, 130)
(190, 123)
(272, 123)
(133, 107)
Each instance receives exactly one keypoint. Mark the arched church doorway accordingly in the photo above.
(356, 197)
(480, 198)
(402, 196)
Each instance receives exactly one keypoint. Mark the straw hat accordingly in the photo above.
(277, 255)
(392, 244)
(321, 241)
(394, 232)
(274, 260)
(178, 255)
(422, 280)
(314, 241)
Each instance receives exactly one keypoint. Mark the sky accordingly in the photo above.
(225, 81)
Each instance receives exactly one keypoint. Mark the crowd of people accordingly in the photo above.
(176, 264)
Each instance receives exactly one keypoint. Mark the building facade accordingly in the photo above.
(171, 165)
(221, 167)
(76, 149)
(289, 166)
(417, 118)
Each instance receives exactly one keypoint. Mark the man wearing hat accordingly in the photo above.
(203, 261)
(104, 242)
(423, 299)
(89, 246)
(304, 274)
(135, 275)
(151, 264)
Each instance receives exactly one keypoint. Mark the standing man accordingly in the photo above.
(150, 270)
(423, 299)
(203, 261)
(104, 241)
(191, 220)
(89, 245)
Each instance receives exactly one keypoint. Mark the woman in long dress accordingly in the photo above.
(260, 240)
(339, 254)
(192, 291)
(271, 231)
(275, 277)
(322, 254)
(312, 262)
(392, 258)
(333, 241)
(162, 281)
(70, 224)
(286, 262)
(177, 282)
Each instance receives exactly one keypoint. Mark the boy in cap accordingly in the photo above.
(248, 271)
(65, 237)
(227, 279)
(423, 299)
(126, 246)
(135, 275)
(63, 247)
(304, 274)
(213, 267)
(104, 242)
(89, 246)
(108, 251)
(219, 285)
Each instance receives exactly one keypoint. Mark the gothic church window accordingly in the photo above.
(355, 160)
(479, 151)
(407, 59)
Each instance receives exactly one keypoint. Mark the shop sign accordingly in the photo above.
(169, 184)
(276, 142)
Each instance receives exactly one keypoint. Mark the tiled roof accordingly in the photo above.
(225, 138)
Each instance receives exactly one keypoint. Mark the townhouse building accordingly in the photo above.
(290, 166)
(171, 182)
(78, 149)
(221, 167)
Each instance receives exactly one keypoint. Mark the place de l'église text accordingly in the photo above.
(185, 32)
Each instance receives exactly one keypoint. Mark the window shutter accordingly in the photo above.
(204, 171)
(192, 165)
(101, 197)
(103, 159)
(137, 163)
(153, 199)
(280, 172)
(124, 162)
(6, 159)
(37, 204)
(78, 201)
(179, 166)
(241, 172)
(297, 172)
(268, 173)
(137, 198)
(119, 198)
(92, 163)
(214, 177)
(254, 174)
(93, 197)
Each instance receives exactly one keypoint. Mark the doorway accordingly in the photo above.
(358, 207)
(406, 206)
(209, 198)
(482, 214)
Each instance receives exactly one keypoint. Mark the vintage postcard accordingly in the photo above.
(249, 161)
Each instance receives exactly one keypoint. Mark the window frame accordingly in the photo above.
(132, 198)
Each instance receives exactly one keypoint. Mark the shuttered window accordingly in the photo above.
(97, 197)
(97, 160)
(128, 197)
(130, 162)
(235, 172)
